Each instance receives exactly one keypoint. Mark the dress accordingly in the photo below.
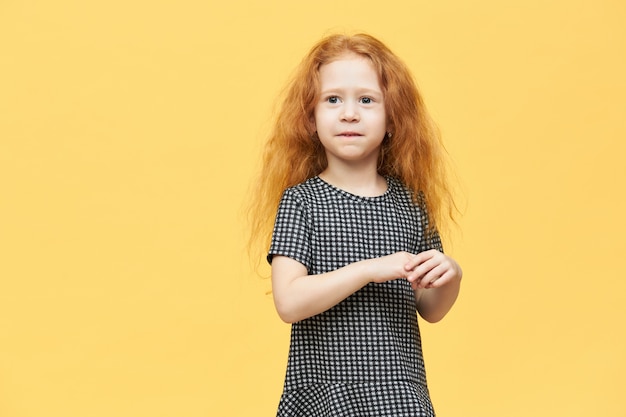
(362, 357)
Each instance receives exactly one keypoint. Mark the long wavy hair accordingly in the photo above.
(414, 154)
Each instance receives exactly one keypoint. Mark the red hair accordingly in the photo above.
(414, 154)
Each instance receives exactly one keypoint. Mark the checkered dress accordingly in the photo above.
(362, 357)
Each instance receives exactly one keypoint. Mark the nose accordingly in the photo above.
(349, 113)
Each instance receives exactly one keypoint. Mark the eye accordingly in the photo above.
(366, 100)
(333, 99)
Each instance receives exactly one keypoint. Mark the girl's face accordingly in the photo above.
(350, 116)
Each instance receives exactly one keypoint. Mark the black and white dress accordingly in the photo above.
(362, 357)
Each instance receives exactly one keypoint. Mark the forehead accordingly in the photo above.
(348, 70)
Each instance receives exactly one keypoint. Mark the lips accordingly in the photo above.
(350, 134)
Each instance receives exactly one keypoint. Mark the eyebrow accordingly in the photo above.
(358, 90)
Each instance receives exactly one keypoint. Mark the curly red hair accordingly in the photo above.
(414, 154)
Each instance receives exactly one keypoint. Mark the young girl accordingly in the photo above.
(352, 173)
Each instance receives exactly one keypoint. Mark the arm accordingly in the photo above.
(436, 279)
(298, 296)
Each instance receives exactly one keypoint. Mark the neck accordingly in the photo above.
(364, 181)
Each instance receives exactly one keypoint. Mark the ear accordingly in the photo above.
(390, 128)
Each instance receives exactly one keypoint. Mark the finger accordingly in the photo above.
(438, 282)
(447, 277)
(416, 260)
(421, 258)
(433, 276)
(420, 271)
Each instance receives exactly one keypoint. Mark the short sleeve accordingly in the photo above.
(292, 230)
(431, 240)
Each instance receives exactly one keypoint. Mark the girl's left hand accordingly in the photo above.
(432, 269)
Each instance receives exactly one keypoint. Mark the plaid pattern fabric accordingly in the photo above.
(362, 357)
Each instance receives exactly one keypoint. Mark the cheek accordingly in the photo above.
(382, 119)
(381, 123)
(321, 119)
(315, 119)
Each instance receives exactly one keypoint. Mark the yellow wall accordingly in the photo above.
(129, 131)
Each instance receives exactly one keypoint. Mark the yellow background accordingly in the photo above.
(130, 130)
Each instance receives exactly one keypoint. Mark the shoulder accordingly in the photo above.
(307, 191)
(416, 197)
(408, 199)
(400, 190)
(305, 187)
(299, 198)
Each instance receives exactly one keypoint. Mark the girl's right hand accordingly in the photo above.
(298, 295)
(389, 267)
